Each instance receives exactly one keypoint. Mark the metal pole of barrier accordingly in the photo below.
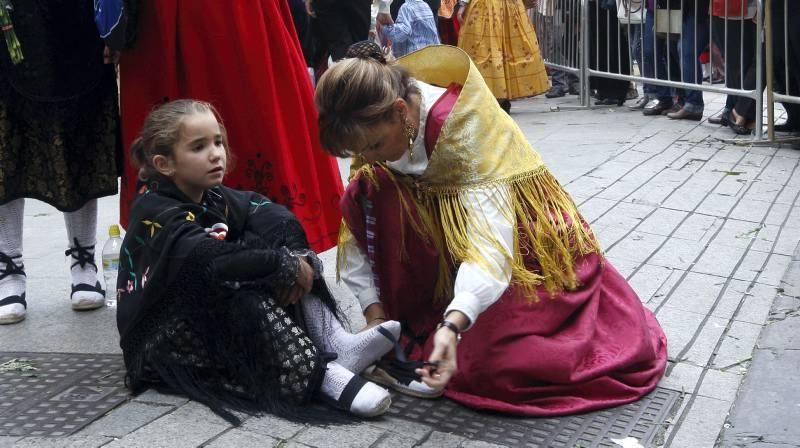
(759, 73)
(585, 47)
(767, 8)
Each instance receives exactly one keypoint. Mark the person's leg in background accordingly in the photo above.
(694, 39)
(654, 66)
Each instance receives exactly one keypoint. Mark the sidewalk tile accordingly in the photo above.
(777, 215)
(648, 280)
(774, 270)
(409, 429)
(190, 425)
(595, 207)
(8, 441)
(706, 342)
(679, 326)
(788, 239)
(479, 444)
(717, 205)
(677, 254)
(752, 265)
(720, 258)
(737, 346)
(702, 424)
(731, 298)
(637, 246)
(750, 210)
(663, 221)
(154, 397)
(272, 426)
(126, 418)
(442, 439)
(683, 377)
(663, 292)
(237, 438)
(696, 293)
(74, 441)
(756, 304)
(767, 191)
(393, 440)
(720, 385)
(698, 228)
(351, 436)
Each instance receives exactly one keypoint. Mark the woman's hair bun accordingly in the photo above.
(366, 49)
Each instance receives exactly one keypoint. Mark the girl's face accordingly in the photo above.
(199, 160)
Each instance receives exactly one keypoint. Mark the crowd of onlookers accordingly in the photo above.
(704, 41)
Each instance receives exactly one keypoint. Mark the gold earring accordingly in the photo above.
(410, 134)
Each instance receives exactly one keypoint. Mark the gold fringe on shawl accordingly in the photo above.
(548, 229)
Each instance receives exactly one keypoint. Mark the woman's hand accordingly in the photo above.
(444, 355)
(302, 285)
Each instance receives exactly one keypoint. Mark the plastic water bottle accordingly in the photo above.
(111, 264)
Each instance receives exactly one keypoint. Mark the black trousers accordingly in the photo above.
(740, 61)
(608, 52)
(786, 53)
(342, 23)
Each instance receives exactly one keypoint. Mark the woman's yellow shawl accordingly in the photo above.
(481, 147)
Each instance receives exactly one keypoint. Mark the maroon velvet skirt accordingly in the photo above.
(587, 349)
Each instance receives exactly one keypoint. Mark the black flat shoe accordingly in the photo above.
(722, 119)
(609, 102)
(740, 129)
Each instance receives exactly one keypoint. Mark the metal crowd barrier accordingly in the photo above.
(689, 26)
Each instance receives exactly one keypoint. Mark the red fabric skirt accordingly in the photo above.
(588, 349)
(244, 57)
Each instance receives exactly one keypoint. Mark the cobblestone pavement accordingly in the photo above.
(703, 228)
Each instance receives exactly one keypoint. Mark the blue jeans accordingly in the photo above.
(653, 45)
(691, 69)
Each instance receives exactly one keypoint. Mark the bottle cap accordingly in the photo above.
(113, 230)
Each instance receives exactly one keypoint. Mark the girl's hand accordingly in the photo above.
(462, 13)
(302, 285)
(444, 353)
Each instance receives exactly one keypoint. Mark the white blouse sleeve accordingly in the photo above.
(478, 287)
(356, 273)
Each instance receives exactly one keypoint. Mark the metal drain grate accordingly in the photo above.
(641, 420)
(65, 393)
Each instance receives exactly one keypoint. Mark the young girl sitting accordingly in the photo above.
(219, 297)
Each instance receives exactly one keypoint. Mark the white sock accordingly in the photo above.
(82, 225)
(11, 215)
(371, 400)
(354, 351)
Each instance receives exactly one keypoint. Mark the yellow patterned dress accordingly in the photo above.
(499, 37)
